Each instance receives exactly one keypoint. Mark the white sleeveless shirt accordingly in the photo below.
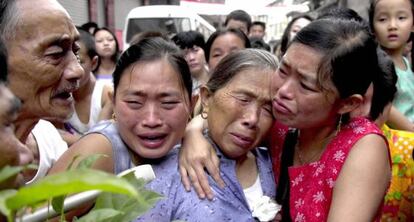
(95, 109)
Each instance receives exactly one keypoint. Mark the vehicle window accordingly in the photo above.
(167, 26)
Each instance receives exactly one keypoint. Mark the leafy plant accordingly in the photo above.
(126, 197)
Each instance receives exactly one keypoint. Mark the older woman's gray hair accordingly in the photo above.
(239, 61)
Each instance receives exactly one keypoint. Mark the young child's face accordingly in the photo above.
(393, 23)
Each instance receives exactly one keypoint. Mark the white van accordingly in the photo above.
(167, 19)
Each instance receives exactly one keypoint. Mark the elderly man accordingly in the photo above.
(43, 72)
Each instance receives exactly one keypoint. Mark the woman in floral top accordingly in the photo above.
(333, 167)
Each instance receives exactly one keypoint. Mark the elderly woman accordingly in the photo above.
(332, 167)
(237, 106)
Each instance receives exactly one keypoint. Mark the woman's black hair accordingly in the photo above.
(152, 49)
(286, 33)
(219, 33)
(115, 56)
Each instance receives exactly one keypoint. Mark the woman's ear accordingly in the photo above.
(205, 95)
(350, 104)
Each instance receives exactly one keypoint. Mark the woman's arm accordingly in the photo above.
(86, 146)
(362, 182)
(196, 154)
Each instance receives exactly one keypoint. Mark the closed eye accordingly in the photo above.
(169, 104)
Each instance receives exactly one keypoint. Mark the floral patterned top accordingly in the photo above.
(311, 185)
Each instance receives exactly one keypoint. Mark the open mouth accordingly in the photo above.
(63, 95)
(153, 141)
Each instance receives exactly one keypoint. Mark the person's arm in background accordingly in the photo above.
(106, 103)
(397, 120)
(362, 182)
(196, 154)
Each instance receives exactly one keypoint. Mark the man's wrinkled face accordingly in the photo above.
(43, 64)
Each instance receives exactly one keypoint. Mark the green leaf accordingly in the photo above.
(4, 195)
(57, 203)
(100, 215)
(131, 208)
(88, 161)
(72, 181)
(9, 171)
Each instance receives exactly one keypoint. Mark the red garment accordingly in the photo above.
(311, 185)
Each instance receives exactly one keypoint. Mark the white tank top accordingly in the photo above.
(95, 109)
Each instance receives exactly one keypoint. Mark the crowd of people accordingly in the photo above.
(317, 129)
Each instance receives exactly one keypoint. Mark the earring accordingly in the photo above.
(339, 125)
(113, 116)
(204, 114)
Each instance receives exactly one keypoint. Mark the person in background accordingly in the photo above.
(107, 47)
(258, 29)
(221, 43)
(192, 44)
(12, 151)
(238, 19)
(293, 27)
(44, 71)
(237, 106)
(92, 99)
(392, 23)
(256, 36)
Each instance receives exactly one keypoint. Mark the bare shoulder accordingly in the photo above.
(88, 145)
(370, 148)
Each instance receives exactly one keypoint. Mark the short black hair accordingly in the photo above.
(189, 39)
(239, 15)
(88, 40)
(89, 25)
(258, 43)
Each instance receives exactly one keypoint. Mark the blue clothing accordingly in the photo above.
(404, 99)
(229, 204)
(121, 157)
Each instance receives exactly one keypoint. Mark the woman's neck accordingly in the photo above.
(107, 66)
(311, 144)
(246, 170)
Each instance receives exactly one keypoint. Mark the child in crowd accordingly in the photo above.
(392, 23)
